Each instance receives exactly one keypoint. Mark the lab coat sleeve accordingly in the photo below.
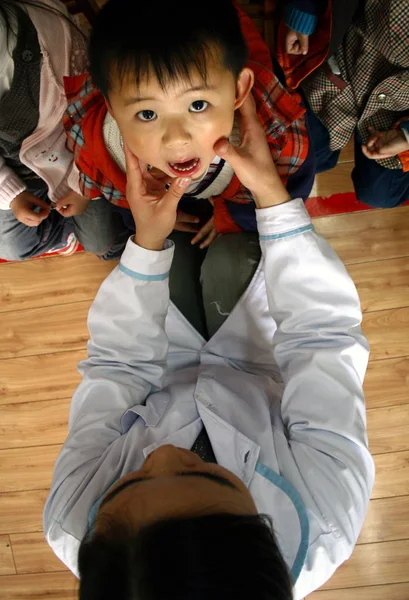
(322, 355)
(127, 353)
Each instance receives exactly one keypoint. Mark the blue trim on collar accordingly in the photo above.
(142, 276)
(279, 236)
(295, 498)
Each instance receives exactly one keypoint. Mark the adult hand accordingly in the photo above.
(29, 210)
(252, 161)
(296, 43)
(153, 208)
(385, 144)
(72, 204)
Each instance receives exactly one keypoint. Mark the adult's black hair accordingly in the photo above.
(166, 39)
(214, 557)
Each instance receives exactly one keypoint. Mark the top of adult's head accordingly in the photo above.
(163, 39)
(217, 557)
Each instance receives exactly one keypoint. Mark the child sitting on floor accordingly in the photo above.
(41, 208)
(167, 81)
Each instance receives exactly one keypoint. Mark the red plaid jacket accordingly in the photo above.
(280, 113)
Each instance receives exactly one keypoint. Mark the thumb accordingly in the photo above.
(61, 203)
(303, 39)
(176, 190)
(224, 149)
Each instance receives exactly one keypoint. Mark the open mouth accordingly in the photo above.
(185, 168)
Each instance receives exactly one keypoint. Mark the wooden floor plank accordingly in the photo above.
(37, 378)
(49, 282)
(397, 591)
(53, 586)
(368, 235)
(387, 332)
(392, 475)
(386, 382)
(388, 429)
(41, 331)
(382, 284)
(336, 181)
(44, 330)
(32, 554)
(387, 519)
(347, 154)
(6, 557)
(33, 423)
(27, 469)
(373, 564)
(22, 511)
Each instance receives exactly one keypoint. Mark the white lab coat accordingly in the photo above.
(278, 388)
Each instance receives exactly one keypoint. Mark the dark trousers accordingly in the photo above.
(374, 185)
(205, 285)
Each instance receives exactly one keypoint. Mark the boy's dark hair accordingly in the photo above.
(163, 38)
(217, 557)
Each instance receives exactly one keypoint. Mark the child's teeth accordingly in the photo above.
(185, 168)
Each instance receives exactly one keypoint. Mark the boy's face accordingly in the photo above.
(175, 129)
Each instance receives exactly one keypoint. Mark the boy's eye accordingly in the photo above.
(198, 106)
(146, 115)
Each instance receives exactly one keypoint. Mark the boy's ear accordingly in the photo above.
(244, 84)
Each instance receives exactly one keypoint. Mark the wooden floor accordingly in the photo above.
(43, 309)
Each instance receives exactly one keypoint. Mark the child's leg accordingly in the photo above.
(319, 138)
(375, 185)
(229, 266)
(18, 241)
(101, 231)
(184, 280)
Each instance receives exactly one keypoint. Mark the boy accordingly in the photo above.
(168, 86)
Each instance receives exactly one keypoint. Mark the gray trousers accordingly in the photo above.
(206, 285)
(98, 230)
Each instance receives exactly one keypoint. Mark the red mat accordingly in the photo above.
(337, 204)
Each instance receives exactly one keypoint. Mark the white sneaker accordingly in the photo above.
(70, 246)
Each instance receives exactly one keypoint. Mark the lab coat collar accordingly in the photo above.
(233, 450)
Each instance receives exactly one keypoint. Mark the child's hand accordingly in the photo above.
(72, 204)
(208, 231)
(29, 210)
(185, 222)
(296, 43)
(385, 144)
(154, 210)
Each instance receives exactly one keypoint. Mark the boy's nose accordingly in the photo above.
(176, 135)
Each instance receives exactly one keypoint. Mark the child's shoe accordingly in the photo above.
(66, 248)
